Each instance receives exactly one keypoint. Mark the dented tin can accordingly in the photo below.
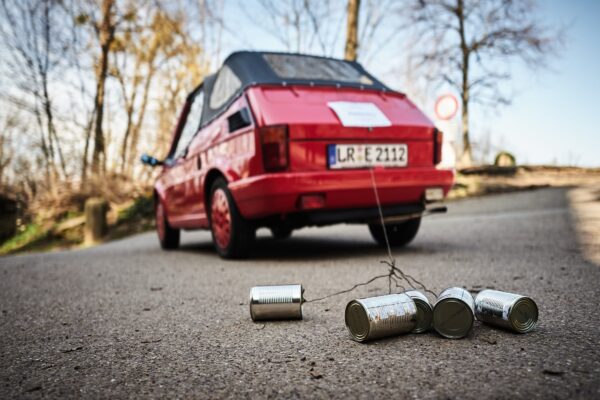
(506, 310)
(453, 313)
(377, 317)
(276, 302)
(424, 311)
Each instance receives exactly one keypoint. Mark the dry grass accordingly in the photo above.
(585, 202)
(489, 180)
(54, 219)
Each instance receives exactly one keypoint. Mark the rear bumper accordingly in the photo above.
(352, 215)
(278, 193)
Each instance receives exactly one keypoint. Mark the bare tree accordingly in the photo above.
(377, 27)
(212, 27)
(317, 26)
(106, 34)
(68, 66)
(300, 25)
(137, 61)
(7, 126)
(471, 44)
(350, 52)
(31, 32)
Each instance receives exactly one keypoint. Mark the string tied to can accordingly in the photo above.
(394, 274)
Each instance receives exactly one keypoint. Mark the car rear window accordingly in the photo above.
(291, 66)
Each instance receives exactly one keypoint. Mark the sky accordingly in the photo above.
(551, 119)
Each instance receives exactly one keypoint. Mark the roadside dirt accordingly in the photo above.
(489, 180)
(585, 203)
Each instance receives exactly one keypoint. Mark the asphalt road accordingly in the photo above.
(128, 320)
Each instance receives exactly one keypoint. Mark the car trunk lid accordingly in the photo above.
(313, 124)
(306, 111)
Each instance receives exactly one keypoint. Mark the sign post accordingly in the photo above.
(446, 107)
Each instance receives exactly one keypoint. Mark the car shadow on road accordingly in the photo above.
(314, 248)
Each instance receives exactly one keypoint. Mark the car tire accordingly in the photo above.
(399, 234)
(232, 235)
(167, 236)
(280, 232)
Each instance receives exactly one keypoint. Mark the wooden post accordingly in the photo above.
(352, 30)
(8, 217)
(95, 220)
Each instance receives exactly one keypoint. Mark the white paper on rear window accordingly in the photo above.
(357, 114)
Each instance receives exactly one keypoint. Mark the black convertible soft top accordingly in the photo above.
(253, 67)
(247, 68)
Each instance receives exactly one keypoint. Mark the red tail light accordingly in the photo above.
(438, 140)
(274, 141)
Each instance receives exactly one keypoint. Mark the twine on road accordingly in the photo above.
(394, 274)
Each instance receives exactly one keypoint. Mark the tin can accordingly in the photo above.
(506, 310)
(381, 316)
(276, 302)
(424, 311)
(453, 313)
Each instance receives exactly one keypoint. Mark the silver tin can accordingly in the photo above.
(381, 316)
(506, 310)
(276, 302)
(424, 311)
(453, 313)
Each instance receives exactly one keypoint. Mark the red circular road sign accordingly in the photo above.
(446, 107)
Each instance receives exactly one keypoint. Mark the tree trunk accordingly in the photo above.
(124, 144)
(129, 107)
(51, 128)
(466, 157)
(352, 30)
(135, 136)
(46, 96)
(135, 132)
(45, 151)
(106, 35)
(84, 159)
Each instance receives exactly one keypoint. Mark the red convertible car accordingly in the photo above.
(286, 141)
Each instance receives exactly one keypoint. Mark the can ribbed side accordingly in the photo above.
(275, 295)
(392, 318)
(276, 302)
(424, 311)
(386, 316)
(506, 310)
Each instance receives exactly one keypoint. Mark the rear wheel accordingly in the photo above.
(399, 234)
(232, 235)
(167, 236)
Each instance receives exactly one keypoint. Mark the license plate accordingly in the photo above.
(341, 156)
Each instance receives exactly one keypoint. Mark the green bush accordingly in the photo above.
(142, 207)
(505, 159)
(32, 233)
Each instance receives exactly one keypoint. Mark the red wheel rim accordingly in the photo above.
(160, 221)
(220, 218)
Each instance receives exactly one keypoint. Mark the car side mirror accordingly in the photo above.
(150, 161)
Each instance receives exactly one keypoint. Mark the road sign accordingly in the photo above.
(446, 107)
